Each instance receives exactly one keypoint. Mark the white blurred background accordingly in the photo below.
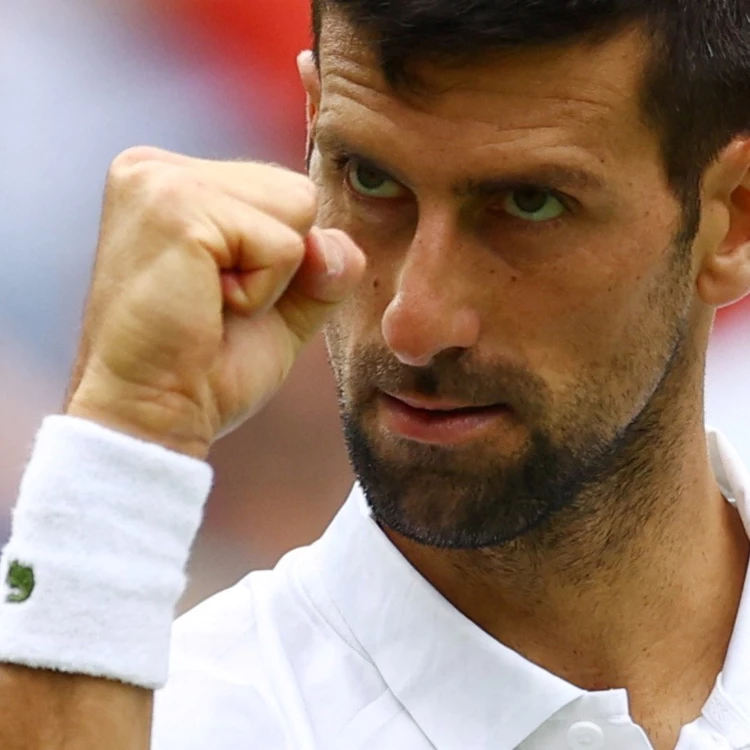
(84, 79)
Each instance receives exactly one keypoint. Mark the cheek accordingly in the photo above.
(626, 351)
(356, 324)
(334, 344)
(591, 319)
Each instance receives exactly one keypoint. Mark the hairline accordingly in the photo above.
(410, 83)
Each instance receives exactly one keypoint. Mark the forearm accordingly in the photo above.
(43, 710)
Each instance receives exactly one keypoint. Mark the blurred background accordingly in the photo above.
(81, 81)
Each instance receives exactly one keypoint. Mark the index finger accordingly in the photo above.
(290, 197)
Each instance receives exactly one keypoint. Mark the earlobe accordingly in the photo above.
(724, 276)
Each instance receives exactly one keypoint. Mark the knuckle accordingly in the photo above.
(161, 193)
(160, 188)
(131, 179)
(131, 157)
(156, 194)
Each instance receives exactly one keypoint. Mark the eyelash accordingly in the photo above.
(342, 160)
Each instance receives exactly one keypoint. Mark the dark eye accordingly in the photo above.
(533, 204)
(372, 182)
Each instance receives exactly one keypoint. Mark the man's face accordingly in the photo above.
(525, 296)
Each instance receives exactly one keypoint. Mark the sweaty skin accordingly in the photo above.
(209, 279)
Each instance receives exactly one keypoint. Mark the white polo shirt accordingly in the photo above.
(344, 646)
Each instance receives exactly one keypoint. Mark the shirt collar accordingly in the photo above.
(446, 672)
(462, 687)
(734, 481)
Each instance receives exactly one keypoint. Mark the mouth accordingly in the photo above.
(439, 422)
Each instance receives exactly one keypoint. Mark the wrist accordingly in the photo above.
(96, 562)
(168, 420)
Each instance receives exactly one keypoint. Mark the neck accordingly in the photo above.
(610, 598)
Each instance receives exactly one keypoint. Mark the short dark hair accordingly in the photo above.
(697, 87)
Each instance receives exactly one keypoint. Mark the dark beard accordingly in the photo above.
(434, 504)
(428, 501)
(555, 481)
(426, 495)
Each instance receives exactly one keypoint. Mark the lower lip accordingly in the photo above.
(438, 427)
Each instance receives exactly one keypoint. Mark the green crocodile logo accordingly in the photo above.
(20, 580)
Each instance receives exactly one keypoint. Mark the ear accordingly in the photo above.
(724, 273)
(310, 77)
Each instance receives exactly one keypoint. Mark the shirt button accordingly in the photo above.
(585, 735)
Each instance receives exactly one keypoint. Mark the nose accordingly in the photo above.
(434, 307)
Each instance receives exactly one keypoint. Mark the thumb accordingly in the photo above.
(331, 270)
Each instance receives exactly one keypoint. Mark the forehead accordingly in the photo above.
(584, 97)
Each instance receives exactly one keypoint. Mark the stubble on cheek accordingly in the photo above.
(334, 335)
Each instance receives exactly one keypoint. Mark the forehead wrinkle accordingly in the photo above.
(511, 93)
(524, 132)
(357, 107)
(580, 124)
(511, 110)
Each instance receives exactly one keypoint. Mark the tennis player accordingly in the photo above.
(520, 220)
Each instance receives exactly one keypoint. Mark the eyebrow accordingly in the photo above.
(555, 176)
(550, 175)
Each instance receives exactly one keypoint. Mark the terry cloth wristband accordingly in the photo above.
(96, 561)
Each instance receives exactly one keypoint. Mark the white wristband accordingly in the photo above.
(95, 564)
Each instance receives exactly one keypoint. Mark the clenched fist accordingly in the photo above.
(209, 279)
